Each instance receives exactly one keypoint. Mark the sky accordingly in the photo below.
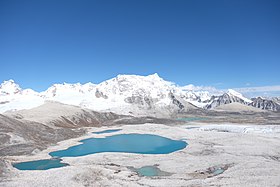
(218, 43)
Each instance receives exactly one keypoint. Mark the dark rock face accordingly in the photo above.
(172, 105)
(99, 94)
(261, 103)
(224, 99)
(4, 102)
(276, 100)
(265, 104)
(140, 100)
(176, 102)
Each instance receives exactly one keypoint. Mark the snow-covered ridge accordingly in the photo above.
(239, 95)
(9, 88)
(128, 93)
(231, 96)
(125, 94)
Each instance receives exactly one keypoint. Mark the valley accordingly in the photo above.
(139, 93)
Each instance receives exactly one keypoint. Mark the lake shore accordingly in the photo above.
(217, 155)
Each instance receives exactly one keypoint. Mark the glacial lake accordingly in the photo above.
(124, 143)
(149, 171)
(40, 164)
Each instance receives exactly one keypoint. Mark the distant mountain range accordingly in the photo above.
(128, 94)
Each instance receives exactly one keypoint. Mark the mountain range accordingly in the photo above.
(129, 95)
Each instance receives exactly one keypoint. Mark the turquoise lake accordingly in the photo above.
(150, 171)
(40, 164)
(125, 143)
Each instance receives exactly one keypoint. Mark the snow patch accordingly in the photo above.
(239, 95)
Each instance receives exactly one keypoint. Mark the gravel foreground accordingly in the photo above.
(217, 155)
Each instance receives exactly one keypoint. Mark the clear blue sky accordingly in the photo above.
(222, 43)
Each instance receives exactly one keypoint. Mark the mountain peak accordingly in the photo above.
(239, 95)
(126, 76)
(233, 92)
(154, 76)
(9, 87)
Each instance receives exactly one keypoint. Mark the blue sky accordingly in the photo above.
(218, 43)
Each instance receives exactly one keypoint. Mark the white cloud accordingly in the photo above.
(267, 91)
(264, 91)
(210, 89)
(275, 88)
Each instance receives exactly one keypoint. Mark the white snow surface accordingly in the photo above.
(237, 94)
(259, 129)
(105, 96)
(9, 88)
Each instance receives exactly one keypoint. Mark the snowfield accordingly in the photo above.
(254, 129)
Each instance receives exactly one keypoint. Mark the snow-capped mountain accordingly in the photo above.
(197, 98)
(276, 100)
(234, 97)
(63, 89)
(230, 97)
(265, 104)
(9, 88)
(124, 94)
(73, 94)
(12, 97)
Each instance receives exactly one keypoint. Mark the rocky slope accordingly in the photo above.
(276, 100)
(25, 131)
(62, 115)
(230, 97)
(265, 104)
(19, 137)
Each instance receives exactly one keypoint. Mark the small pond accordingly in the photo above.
(218, 171)
(40, 164)
(150, 171)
